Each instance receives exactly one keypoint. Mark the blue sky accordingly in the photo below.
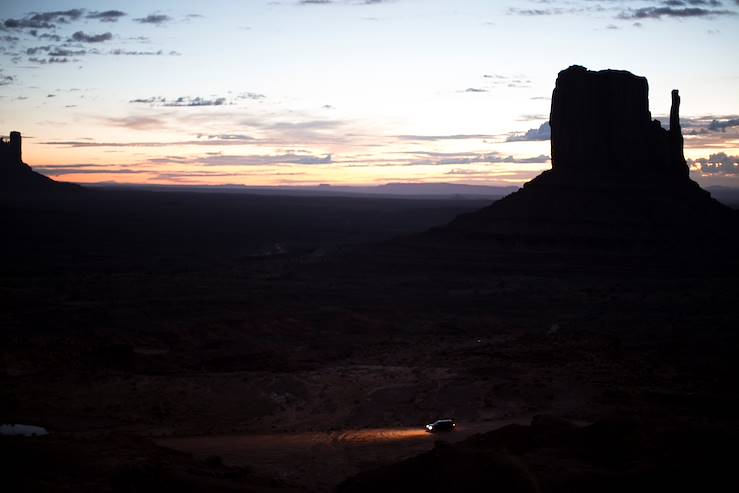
(350, 92)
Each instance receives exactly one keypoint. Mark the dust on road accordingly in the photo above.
(319, 460)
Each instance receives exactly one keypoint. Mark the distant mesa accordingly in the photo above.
(17, 177)
(617, 176)
(601, 124)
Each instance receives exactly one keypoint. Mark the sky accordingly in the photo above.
(346, 92)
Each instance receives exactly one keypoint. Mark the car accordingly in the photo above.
(441, 425)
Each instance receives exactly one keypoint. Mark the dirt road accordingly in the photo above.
(319, 460)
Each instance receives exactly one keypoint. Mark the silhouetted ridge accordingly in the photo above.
(18, 177)
(617, 179)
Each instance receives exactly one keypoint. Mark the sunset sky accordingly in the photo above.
(345, 92)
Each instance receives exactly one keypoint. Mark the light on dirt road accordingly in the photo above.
(378, 435)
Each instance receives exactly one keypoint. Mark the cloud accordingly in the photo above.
(88, 143)
(51, 59)
(467, 172)
(457, 158)
(53, 54)
(212, 140)
(708, 127)
(534, 12)
(56, 52)
(67, 47)
(197, 101)
(267, 130)
(44, 20)
(444, 137)
(721, 126)
(181, 101)
(660, 12)
(82, 37)
(6, 79)
(136, 122)
(540, 159)
(120, 52)
(344, 2)
(537, 12)
(151, 100)
(512, 81)
(264, 159)
(95, 169)
(475, 89)
(543, 132)
(708, 131)
(297, 131)
(682, 3)
(50, 37)
(255, 96)
(719, 163)
(671, 9)
(106, 16)
(698, 125)
(232, 137)
(156, 19)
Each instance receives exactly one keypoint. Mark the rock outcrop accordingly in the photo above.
(601, 124)
(617, 179)
(16, 177)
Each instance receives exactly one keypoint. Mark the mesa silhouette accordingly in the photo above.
(617, 179)
(18, 177)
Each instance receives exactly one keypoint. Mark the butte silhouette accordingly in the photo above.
(618, 179)
(18, 177)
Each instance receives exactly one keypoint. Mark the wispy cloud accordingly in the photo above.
(82, 37)
(231, 137)
(137, 122)
(34, 29)
(49, 60)
(543, 132)
(120, 52)
(182, 101)
(719, 163)
(722, 125)
(87, 169)
(44, 20)
(5, 79)
(514, 81)
(423, 138)
(460, 158)
(106, 15)
(156, 19)
(264, 159)
(342, 2)
(680, 13)
(666, 9)
(210, 140)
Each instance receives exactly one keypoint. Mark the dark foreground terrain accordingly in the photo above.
(207, 342)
